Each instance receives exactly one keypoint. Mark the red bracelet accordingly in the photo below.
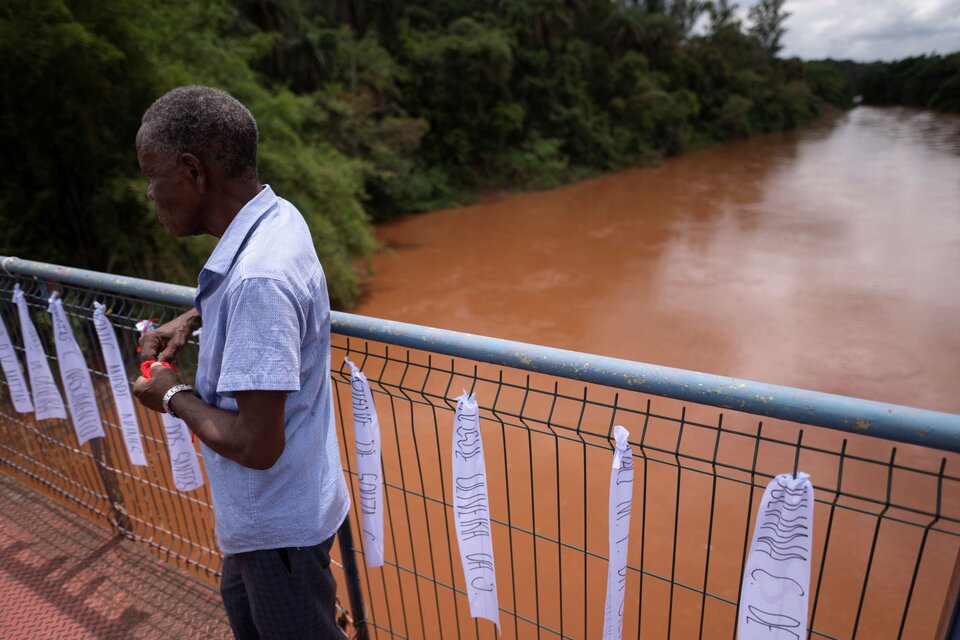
(145, 370)
(146, 364)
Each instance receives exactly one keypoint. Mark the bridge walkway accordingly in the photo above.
(63, 576)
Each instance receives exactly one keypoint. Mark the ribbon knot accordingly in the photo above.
(353, 367)
(146, 364)
(620, 436)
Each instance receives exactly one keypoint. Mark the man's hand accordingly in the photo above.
(164, 342)
(150, 391)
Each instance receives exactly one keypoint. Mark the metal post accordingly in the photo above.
(349, 559)
(955, 623)
(949, 628)
(121, 521)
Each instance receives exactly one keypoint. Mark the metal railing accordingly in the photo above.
(886, 522)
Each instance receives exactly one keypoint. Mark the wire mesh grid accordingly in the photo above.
(886, 517)
(139, 502)
(886, 521)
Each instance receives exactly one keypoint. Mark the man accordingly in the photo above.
(262, 408)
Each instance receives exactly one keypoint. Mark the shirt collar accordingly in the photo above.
(237, 231)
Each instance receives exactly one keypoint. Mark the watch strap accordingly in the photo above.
(168, 396)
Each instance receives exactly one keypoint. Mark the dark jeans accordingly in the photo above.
(276, 594)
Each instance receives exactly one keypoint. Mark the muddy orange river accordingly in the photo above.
(826, 258)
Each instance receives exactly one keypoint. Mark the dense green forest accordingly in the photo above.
(930, 82)
(370, 109)
(927, 82)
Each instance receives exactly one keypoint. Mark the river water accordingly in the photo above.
(826, 258)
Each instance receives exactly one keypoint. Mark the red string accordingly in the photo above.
(146, 364)
(145, 370)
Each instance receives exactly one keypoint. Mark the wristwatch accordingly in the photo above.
(172, 391)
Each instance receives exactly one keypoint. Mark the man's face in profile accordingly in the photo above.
(172, 187)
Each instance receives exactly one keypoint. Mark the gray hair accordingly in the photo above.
(209, 123)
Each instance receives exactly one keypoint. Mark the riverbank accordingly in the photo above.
(827, 113)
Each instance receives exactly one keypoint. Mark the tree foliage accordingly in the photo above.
(368, 110)
(77, 76)
(931, 82)
(928, 82)
(768, 18)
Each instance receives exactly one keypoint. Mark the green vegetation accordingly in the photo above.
(369, 110)
(931, 82)
(927, 82)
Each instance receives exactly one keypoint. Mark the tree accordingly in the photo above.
(685, 14)
(768, 17)
(931, 82)
(723, 13)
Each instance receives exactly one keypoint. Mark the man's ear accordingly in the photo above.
(196, 172)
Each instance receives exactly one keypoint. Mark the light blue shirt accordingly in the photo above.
(266, 326)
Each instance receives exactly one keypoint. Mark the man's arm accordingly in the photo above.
(253, 437)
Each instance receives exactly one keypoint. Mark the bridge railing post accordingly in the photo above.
(354, 593)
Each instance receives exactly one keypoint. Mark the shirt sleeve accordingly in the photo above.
(262, 340)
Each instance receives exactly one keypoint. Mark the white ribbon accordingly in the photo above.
(471, 512)
(16, 383)
(366, 434)
(46, 396)
(183, 456)
(776, 580)
(75, 376)
(117, 374)
(621, 502)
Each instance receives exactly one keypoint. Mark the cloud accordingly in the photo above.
(870, 29)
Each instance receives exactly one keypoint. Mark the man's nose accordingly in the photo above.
(150, 191)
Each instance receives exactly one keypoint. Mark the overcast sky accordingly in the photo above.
(869, 29)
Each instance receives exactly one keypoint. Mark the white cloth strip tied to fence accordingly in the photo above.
(471, 512)
(366, 435)
(119, 385)
(776, 579)
(621, 503)
(75, 375)
(47, 402)
(184, 463)
(16, 383)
